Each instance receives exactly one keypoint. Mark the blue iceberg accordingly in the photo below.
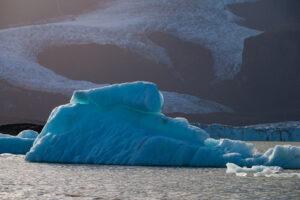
(122, 124)
(19, 144)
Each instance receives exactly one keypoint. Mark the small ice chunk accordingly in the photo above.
(19, 144)
(286, 156)
(15, 145)
(28, 134)
(256, 170)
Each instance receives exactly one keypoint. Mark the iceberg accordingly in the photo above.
(19, 144)
(122, 124)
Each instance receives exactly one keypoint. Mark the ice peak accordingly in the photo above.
(141, 96)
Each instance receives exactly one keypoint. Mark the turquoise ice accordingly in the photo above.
(19, 144)
(122, 124)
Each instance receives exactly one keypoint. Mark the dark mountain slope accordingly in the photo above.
(267, 14)
(191, 72)
(24, 12)
(26, 106)
(269, 81)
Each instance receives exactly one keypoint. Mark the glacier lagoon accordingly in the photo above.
(123, 125)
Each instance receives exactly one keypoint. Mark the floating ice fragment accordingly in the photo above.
(20, 144)
(286, 156)
(259, 170)
(28, 134)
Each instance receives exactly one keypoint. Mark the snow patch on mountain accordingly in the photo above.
(126, 24)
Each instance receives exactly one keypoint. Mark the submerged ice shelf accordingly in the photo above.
(123, 124)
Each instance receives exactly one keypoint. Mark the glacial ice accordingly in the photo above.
(122, 124)
(19, 144)
(139, 96)
(283, 131)
(30, 134)
(257, 170)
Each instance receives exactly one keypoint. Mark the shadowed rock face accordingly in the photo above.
(267, 14)
(191, 72)
(105, 64)
(20, 105)
(269, 81)
(19, 12)
(266, 88)
(271, 73)
(193, 62)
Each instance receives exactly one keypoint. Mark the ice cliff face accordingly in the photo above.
(122, 124)
(283, 131)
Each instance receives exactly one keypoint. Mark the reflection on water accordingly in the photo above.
(21, 180)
